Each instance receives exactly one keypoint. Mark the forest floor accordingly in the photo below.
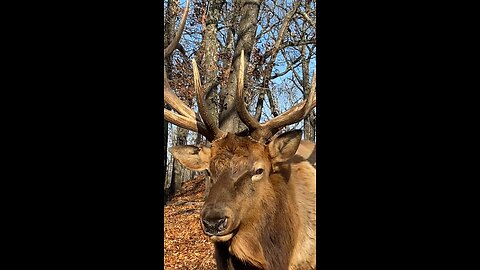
(185, 245)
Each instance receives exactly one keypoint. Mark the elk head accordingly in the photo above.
(240, 165)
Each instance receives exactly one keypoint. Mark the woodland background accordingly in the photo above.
(279, 40)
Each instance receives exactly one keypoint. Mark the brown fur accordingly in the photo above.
(275, 217)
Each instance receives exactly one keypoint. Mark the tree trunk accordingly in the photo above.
(210, 45)
(179, 174)
(229, 120)
(172, 188)
(169, 34)
(165, 143)
(308, 123)
(169, 31)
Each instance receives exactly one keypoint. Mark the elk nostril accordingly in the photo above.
(214, 226)
(206, 223)
(222, 224)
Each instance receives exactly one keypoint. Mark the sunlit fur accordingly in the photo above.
(274, 217)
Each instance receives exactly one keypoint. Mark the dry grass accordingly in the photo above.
(185, 245)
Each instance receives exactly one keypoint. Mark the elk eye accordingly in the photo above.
(259, 171)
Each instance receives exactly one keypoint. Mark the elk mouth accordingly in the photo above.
(222, 235)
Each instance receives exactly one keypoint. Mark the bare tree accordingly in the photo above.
(278, 38)
(169, 34)
(211, 47)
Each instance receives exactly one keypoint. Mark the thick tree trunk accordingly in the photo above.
(210, 45)
(229, 120)
(171, 15)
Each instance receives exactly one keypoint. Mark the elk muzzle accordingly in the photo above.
(217, 222)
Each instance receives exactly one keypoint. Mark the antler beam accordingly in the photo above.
(263, 132)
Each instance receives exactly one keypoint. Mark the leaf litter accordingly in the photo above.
(185, 245)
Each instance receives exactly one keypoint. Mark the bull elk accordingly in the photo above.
(261, 209)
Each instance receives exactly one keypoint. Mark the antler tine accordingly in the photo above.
(242, 111)
(210, 124)
(187, 123)
(186, 117)
(172, 99)
(173, 45)
(296, 113)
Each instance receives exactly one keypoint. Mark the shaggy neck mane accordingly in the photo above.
(265, 240)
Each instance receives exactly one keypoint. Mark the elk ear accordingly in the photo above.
(193, 157)
(284, 146)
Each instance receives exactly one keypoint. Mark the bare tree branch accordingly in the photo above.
(268, 71)
(307, 18)
(290, 66)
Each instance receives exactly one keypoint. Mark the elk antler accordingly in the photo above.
(185, 116)
(173, 45)
(202, 107)
(263, 132)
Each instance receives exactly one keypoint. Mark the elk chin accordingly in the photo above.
(221, 238)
